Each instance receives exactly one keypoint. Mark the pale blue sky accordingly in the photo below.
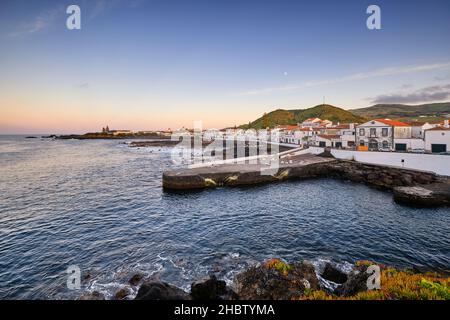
(158, 64)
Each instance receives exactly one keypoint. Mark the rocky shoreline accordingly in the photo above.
(108, 136)
(278, 280)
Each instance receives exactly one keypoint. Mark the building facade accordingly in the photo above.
(379, 135)
(437, 140)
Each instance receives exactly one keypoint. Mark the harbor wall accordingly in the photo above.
(439, 164)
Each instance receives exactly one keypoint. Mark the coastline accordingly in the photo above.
(328, 161)
(275, 279)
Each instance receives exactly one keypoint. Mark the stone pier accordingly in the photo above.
(410, 187)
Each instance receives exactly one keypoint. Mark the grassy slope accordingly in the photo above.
(433, 111)
(283, 117)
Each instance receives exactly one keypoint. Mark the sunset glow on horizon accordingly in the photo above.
(153, 65)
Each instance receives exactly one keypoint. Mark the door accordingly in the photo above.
(400, 147)
(322, 144)
(435, 148)
(373, 145)
(338, 145)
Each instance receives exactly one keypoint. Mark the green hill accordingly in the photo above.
(435, 111)
(284, 117)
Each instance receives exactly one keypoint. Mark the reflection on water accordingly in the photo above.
(99, 205)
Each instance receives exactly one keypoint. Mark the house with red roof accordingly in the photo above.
(315, 122)
(328, 140)
(437, 139)
(311, 122)
(381, 135)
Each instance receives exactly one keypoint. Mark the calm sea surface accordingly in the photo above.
(100, 205)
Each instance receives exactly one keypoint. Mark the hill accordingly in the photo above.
(435, 111)
(284, 117)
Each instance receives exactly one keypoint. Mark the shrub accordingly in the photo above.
(278, 265)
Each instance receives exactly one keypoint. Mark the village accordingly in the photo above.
(384, 135)
(374, 135)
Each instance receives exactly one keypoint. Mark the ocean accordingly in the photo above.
(99, 205)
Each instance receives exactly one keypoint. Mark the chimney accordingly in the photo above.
(446, 124)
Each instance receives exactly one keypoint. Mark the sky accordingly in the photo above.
(150, 65)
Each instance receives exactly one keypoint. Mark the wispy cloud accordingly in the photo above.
(102, 6)
(406, 86)
(428, 94)
(352, 77)
(48, 17)
(442, 78)
(41, 22)
(84, 85)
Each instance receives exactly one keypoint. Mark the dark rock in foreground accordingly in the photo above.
(333, 274)
(155, 290)
(121, 294)
(212, 289)
(356, 283)
(92, 296)
(276, 280)
(135, 279)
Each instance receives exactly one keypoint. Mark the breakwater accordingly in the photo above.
(412, 187)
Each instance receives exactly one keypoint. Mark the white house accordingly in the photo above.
(379, 134)
(311, 122)
(418, 128)
(290, 134)
(438, 139)
(326, 123)
(328, 140)
(410, 144)
(348, 137)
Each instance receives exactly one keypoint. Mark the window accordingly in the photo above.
(362, 132)
(384, 132)
(373, 132)
(385, 144)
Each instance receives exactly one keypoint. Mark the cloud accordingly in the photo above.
(352, 77)
(101, 6)
(442, 78)
(428, 94)
(41, 22)
(46, 18)
(84, 85)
